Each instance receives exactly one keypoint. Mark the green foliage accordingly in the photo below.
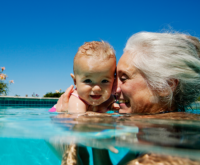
(50, 94)
(3, 88)
(198, 99)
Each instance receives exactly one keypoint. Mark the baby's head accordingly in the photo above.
(94, 71)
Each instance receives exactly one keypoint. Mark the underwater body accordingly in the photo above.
(32, 135)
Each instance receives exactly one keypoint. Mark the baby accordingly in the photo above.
(94, 74)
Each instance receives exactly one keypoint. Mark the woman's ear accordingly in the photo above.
(173, 83)
(74, 79)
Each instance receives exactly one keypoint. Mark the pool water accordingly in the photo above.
(30, 136)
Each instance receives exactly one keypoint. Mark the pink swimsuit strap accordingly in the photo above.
(76, 95)
(53, 109)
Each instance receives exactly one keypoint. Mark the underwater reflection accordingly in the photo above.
(139, 133)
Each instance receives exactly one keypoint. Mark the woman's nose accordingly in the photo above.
(118, 90)
(96, 88)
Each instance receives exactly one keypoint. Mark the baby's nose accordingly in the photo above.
(96, 88)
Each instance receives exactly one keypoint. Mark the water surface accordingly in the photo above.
(124, 132)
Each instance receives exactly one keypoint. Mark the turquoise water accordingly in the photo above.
(29, 136)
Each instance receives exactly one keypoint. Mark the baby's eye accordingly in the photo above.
(87, 81)
(104, 81)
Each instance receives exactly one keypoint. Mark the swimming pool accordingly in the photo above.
(27, 135)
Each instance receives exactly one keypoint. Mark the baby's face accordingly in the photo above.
(94, 79)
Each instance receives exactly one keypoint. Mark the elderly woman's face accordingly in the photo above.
(133, 88)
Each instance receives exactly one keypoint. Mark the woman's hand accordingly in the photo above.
(62, 104)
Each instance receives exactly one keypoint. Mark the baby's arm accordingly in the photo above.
(76, 105)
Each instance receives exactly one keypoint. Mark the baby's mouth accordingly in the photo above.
(96, 97)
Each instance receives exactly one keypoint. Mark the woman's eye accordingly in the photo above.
(105, 81)
(123, 78)
(87, 81)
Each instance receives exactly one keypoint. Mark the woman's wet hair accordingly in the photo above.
(164, 57)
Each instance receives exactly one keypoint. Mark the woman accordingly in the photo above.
(158, 74)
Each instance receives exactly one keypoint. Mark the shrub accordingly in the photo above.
(56, 94)
(3, 88)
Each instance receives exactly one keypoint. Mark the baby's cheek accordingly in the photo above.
(106, 95)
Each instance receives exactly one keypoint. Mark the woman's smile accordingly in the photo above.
(123, 103)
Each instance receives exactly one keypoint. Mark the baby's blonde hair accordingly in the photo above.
(97, 49)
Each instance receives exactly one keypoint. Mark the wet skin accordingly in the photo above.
(94, 79)
(133, 88)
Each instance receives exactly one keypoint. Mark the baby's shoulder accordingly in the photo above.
(76, 105)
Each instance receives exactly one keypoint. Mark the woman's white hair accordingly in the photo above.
(162, 57)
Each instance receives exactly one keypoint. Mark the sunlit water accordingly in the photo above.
(28, 136)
